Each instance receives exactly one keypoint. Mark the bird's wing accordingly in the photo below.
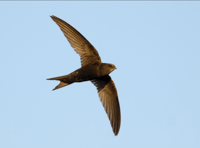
(81, 45)
(109, 98)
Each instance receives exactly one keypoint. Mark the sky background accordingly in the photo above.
(155, 47)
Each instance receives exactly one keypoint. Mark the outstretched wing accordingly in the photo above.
(81, 45)
(109, 98)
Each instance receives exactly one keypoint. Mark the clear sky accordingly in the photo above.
(155, 47)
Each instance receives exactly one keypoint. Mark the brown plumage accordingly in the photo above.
(92, 69)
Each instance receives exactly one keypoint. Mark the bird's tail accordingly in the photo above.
(62, 84)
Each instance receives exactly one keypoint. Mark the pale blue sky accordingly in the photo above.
(155, 47)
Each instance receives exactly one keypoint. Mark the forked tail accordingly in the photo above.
(62, 84)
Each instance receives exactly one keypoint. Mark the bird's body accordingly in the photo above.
(92, 69)
(85, 73)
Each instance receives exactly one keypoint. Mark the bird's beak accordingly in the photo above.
(113, 69)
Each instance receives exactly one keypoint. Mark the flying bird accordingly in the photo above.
(92, 69)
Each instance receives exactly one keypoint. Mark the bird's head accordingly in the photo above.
(106, 68)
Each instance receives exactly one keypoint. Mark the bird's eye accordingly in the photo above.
(109, 65)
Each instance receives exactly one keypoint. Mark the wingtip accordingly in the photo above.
(116, 133)
(53, 17)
